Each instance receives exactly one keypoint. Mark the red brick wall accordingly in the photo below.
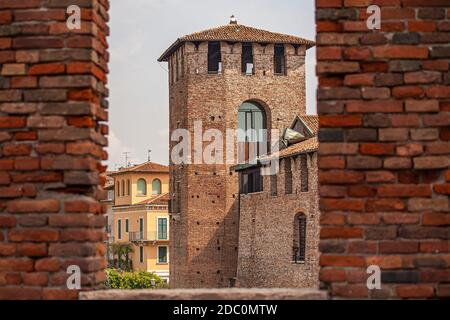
(52, 110)
(384, 102)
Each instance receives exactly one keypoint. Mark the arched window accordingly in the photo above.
(156, 186)
(299, 248)
(128, 187)
(123, 187)
(118, 188)
(251, 135)
(141, 187)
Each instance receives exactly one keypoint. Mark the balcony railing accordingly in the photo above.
(147, 236)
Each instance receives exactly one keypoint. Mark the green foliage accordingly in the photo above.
(118, 279)
(121, 256)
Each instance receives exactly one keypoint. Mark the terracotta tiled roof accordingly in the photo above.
(311, 144)
(312, 121)
(144, 167)
(109, 180)
(236, 33)
(161, 199)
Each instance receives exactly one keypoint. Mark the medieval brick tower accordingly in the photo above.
(225, 77)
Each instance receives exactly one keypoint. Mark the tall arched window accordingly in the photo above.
(118, 188)
(299, 248)
(141, 187)
(156, 187)
(252, 137)
(123, 187)
(128, 187)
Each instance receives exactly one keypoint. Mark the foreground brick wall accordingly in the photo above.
(52, 105)
(384, 101)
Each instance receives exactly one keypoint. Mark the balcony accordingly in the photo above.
(148, 237)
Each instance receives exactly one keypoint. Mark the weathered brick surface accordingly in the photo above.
(385, 147)
(52, 100)
(204, 245)
(266, 231)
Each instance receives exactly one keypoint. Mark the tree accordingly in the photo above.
(121, 254)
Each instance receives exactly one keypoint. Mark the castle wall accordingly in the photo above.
(205, 234)
(266, 232)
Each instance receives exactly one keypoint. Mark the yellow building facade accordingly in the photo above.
(141, 216)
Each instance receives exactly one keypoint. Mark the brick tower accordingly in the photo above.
(211, 75)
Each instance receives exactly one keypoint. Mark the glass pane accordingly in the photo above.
(162, 254)
(241, 125)
(162, 228)
(156, 186)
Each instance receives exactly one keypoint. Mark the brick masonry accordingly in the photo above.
(266, 231)
(53, 111)
(204, 246)
(384, 106)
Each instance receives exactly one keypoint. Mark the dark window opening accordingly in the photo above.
(247, 58)
(273, 185)
(299, 248)
(214, 57)
(304, 173)
(280, 60)
(287, 176)
(251, 182)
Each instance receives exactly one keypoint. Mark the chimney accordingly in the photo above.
(233, 20)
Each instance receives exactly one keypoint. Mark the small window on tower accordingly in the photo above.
(247, 58)
(214, 58)
(280, 60)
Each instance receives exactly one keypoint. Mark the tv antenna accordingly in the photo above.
(127, 164)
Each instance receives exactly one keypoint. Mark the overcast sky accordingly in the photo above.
(141, 30)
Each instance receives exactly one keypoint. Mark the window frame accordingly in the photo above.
(300, 238)
(304, 173)
(160, 187)
(141, 254)
(157, 228)
(251, 181)
(119, 229)
(158, 256)
(282, 61)
(288, 179)
(212, 59)
(127, 225)
(145, 187)
(250, 58)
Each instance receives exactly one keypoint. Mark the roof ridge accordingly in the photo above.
(228, 33)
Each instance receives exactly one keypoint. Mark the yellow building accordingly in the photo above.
(141, 215)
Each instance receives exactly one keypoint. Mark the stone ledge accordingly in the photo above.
(206, 294)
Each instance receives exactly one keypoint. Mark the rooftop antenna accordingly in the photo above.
(126, 158)
(233, 19)
(149, 151)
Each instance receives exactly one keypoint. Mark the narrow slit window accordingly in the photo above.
(304, 173)
(247, 58)
(287, 176)
(299, 249)
(279, 59)
(273, 185)
(214, 57)
(141, 254)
